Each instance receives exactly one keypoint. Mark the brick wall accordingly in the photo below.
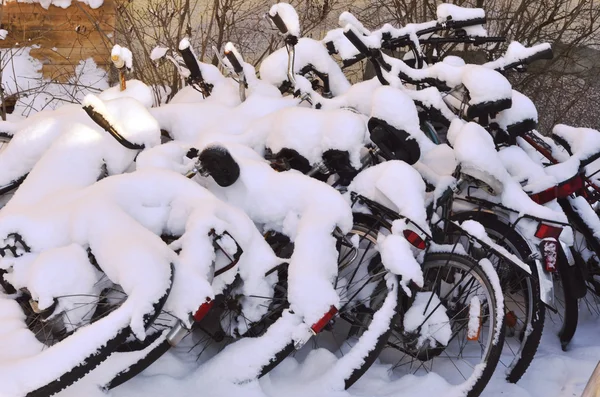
(65, 36)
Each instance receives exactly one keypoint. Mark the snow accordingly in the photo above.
(447, 11)
(64, 3)
(398, 258)
(312, 132)
(22, 74)
(522, 109)
(122, 57)
(474, 318)
(475, 151)
(3, 34)
(477, 230)
(476, 31)
(302, 208)
(396, 185)
(584, 142)
(62, 209)
(530, 174)
(288, 15)
(158, 52)
(490, 272)
(428, 313)
(135, 89)
(485, 85)
(516, 52)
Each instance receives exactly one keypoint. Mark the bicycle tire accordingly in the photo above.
(363, 223)
(518, 246)
(101, 354)
(495, 351)
(571, 303)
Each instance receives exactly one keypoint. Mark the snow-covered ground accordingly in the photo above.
(553, 373)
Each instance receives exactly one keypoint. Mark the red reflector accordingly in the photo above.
(319, 325)
(414, 239)
(545, 231)
(203, 310)
(569, 187)
(549, 249)
(544, 196)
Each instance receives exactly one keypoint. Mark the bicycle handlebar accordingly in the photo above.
(546, 53)
(231, 54)
(102, 122)
(191, 63)
(278, 22)
(356, 41)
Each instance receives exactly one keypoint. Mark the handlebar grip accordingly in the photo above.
(544, 54)
(237, 67)
(331, 48)
(466, 23)
(191, 63)
(356, 41)
(279, 23)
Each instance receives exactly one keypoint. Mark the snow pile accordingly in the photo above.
(427, 316)
(80, 155)
(476, 153)
(22, 75)
(485, 85)
(528, 173)
(522, 110)
(273, 69)
(135, 89)
(398, 109)
(312, 132)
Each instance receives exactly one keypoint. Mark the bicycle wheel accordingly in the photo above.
(364, 291)
(455, 326)
(54, 327)
(525, 311)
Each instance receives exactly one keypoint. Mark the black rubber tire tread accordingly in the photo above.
(571, 314)
(495, 350)
(365, 222)
(103, 352)
(492, 222)
(139, 366)
(382, 341)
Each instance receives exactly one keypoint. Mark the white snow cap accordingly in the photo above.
(517, 52)
(289, 16)
(522, 109)
(347, 18)
(454, 60)
(122, 56)
(485, 85)
(456, 13)
(184, 43)
(63, 3)
(158, 52)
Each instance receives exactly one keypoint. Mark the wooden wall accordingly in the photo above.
(65, 36)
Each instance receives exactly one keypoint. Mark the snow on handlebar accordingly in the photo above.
(285, 18)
